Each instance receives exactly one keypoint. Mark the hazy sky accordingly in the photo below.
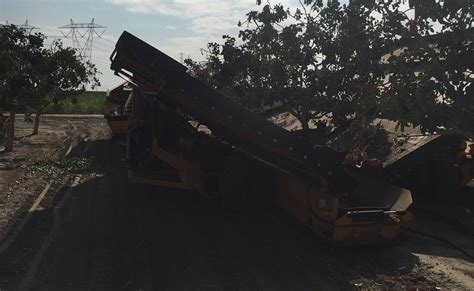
(173, 26)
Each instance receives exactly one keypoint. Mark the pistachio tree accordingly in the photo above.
(60, 74)
(19, 52)
(340, 63)
(429, 79)
(33, 75)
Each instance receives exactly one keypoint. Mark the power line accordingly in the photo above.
(101, 46)
(111, 41)
(103, 57)
(104, 45)
(55, 36)
(99, 61)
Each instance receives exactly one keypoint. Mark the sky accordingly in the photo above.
(177, 27)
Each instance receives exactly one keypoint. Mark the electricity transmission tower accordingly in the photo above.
(26, 27)
(82, 36)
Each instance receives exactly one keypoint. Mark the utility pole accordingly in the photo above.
(85, 32)
(181, 57)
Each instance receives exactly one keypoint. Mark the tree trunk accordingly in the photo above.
(10, 132)
(302, 120)
(304, 125)
(37, 121)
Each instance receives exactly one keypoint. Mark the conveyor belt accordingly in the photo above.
(145, 65)
(417, 149)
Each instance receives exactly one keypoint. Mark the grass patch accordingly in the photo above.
(89, 102)
(57, 168)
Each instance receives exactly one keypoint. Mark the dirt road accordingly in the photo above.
(105, 234)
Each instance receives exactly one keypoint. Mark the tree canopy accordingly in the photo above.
(337, 63)
(32, 75)
(19, 54)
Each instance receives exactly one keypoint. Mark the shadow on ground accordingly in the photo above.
(127, 237)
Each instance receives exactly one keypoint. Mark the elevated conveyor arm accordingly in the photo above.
(145, 65)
